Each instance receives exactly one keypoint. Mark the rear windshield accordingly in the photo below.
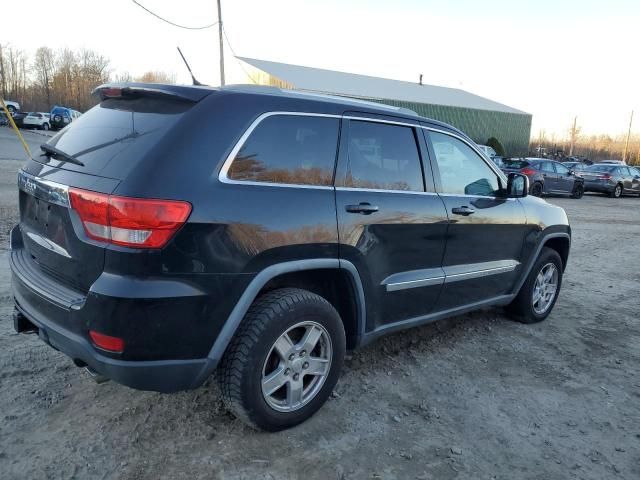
(602, 168)
(114, 135)
(515, 164)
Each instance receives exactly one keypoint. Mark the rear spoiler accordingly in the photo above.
(178, 92)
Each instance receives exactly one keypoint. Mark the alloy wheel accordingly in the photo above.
(545, 288)
(296, 367)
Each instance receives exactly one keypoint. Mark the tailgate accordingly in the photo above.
(51, 231)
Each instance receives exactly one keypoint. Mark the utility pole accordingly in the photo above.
(221, 44)
(572, 136)
(626, 143)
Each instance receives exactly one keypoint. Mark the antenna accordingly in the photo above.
(195, 82)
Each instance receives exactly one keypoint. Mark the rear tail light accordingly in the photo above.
(605, 176)
(527, 171)
(131, 222)
(107, 342)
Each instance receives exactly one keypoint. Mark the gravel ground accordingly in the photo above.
(475, 397)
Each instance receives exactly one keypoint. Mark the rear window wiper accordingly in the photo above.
(59, 155)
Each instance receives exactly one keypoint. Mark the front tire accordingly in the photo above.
(539, 293)
(284, 360)
(45, 127)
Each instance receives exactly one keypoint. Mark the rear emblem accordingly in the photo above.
(30, 185)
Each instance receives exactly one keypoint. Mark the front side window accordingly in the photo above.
(561, 169)
(462, 170)
(383, 156)
(289, 149)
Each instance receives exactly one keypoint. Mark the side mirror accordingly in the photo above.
(572, 172)
(517, 185)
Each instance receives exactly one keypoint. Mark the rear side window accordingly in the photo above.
(547, 167)
(383, 156)
(289, 149)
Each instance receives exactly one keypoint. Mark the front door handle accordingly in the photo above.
(363, 208)
(465, 211)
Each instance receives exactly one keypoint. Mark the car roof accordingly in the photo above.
(196, 93)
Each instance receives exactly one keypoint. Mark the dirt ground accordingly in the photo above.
(475, 397)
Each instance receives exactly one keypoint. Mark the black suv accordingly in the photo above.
(173, 231)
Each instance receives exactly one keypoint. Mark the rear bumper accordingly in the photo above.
(160, 376)
(63, 316)
(598, 186)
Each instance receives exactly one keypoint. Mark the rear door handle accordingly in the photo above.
(465, 211)
(363, 208)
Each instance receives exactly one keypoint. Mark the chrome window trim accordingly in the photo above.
(449, 274)
(382, 190)
(223, 175)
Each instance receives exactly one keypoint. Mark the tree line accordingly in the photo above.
(64, 77)
(593, 147)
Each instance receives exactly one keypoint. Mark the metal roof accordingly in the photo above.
(364, 86)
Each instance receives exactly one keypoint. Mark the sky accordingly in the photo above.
(555, 59)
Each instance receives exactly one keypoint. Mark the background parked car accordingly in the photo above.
(491, 153)
(37, 120)
(576, 167)
(3, 119)
(18, 118)
(12, 106)
(613, 162)
(62, 116)
(546, 176)
(613, 179)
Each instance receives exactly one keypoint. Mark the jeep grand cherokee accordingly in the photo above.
(172, 232)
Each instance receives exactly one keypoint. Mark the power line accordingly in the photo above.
(224, 31)
(170, 22)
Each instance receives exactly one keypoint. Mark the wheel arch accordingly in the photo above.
(558, 241)
(313, 272)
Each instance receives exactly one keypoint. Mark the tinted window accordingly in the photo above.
(462, 170)
(561, 169)
(634, 171)
(289, 149)
(383, 156)
(112, 137)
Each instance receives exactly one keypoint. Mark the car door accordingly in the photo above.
(635, 179)
(564, 178)
(486, 230)
(550, 177)
(391, 227)
(626, 178)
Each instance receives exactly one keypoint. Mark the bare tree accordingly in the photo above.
(44, 68)
(574, 133)
(157, 77)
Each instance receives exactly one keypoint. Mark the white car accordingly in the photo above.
(39, 120)
(488, 151)
(13, 107)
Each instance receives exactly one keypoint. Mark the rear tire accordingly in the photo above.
(45, 127)
(578, 192)
(535, 300)
(268, 354)
(536, 189)
(616, 192)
